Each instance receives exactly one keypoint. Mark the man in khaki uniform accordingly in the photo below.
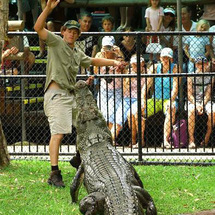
(63, 63)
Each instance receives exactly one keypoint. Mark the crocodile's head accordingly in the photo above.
(91, 125)
(86, 104)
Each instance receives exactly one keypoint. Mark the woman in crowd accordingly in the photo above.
(199, 90)
(168, 24)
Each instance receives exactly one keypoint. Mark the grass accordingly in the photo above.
(175, 189)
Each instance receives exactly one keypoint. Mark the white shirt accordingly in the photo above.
(176, 40)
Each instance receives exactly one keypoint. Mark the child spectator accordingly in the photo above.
(197, 45)
(199, 99)
(154, 17)
(168, 24)
(129, 96)
(107, 26)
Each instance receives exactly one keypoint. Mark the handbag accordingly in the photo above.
(178, 137)
(153, 47)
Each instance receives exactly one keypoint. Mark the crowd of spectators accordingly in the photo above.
(115, 102)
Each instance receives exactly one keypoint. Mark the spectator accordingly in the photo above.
(110, 92)
(199, 99)
(165, 93)
(87, 43)
(128, 44)
(197, 45)
(129, 96)
(63, 63)
(212, 43)
(6, 65)
(13, 43)
(107, 26)
(154, 17)
(187, 25)
(168, 24)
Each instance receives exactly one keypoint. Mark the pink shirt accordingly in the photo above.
(154, 16)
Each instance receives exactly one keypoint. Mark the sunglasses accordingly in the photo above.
(169, 14)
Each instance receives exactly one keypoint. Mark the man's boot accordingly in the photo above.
(56, 179)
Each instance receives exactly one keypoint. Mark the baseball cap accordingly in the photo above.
(134, 59)
(72, 24)
(169, 10)
(201, 59)
(108, 41)
(166, 52)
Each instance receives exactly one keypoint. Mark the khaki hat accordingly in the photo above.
(72, 24)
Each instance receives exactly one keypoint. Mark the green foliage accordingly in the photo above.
(175, 189)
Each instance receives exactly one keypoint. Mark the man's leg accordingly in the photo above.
(55, 176)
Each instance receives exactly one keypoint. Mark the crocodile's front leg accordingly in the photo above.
(76, 183)
(92, 204)
(145, 200)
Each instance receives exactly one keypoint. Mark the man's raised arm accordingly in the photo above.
(39, 26)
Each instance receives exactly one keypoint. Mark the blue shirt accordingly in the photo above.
(163, 85)
(197, 45)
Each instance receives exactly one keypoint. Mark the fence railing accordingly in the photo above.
(26, 127)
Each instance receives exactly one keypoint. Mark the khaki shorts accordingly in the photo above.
(60, 108)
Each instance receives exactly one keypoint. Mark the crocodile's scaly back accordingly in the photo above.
(106, 172)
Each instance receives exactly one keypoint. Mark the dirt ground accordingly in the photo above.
(208, 212)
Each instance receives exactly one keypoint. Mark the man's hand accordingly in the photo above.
(52, 3)
(120, 65)
(90, 80)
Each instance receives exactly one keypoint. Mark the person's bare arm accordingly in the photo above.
(104, 62)
(190, 90)
(175, 84)
(186, 50)
(207, 48)
(148, 83)
(39, 26)
(160, 23)
(148, 24)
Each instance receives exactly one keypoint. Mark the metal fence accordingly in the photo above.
(26, 127)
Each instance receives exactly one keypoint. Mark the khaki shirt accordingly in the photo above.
(63, 62)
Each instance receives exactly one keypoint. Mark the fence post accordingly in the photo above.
(138, 44)
(180, 53)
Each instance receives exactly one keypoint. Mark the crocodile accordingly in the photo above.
(112, 183)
